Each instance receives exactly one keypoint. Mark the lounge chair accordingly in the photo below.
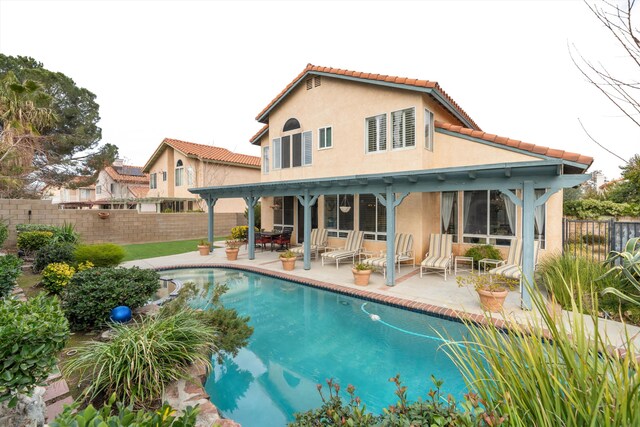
(512, 266)
(317, 242)
(439, 256)
(403, 250)
(352, 247)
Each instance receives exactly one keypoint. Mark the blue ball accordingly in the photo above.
(121, 314)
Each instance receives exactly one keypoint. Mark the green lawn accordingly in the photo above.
(151, 250)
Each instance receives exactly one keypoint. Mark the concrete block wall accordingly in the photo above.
(122, 226)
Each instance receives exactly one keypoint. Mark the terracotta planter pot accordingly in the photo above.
(288, 263)
(204, 249)
(492, 301)
(103, 215)
(361, 277)
(232, 253)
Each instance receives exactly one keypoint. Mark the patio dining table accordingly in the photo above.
(272, 235)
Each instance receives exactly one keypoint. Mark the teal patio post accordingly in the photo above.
(307, 201)
(528, 237)
(251, 232)
(390, 201)
(211, 202)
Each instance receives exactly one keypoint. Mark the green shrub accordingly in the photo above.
(31, 335)
(143, 357)
(241, 232)
(31, 241)
(10, 270)
(123, 415)
(53, 252)
(435, 410)
(56, 276)
(91, 294)
(479, 252)
(595, 239)
(549, 374)
(593, 209)
(20, 228)
(624, 268)
(4, 232)
(65, 234)
(101, 255)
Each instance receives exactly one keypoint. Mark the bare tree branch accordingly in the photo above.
(600, 145)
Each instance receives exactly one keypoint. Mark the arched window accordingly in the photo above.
(179, 172)
(291, 124)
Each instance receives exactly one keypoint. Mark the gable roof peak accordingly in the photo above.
(427, 86)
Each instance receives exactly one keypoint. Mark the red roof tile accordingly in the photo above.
(257, 134)
(209, 152)
(501, 140)
(139, 191)
(371, 77)
(128, 179)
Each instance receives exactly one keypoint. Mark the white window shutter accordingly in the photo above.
(265, 159)
(307, 147)
(277, 153)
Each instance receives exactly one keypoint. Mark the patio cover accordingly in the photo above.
(392, 187)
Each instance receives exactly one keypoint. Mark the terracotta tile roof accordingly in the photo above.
(209, 152)
(367, 77)
(260, 132)
(139, 191)
(120, 174)
(536, 149)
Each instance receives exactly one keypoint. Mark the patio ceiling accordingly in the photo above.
(543, 174)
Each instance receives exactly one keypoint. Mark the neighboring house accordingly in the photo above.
(122, 186)
(176, 166)
(78, 197)
(333, 123)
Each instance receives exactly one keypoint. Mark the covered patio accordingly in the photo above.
(392, 188)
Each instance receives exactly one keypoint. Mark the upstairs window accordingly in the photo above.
(98, 189)
(325, 137)
(265, 160)
(164, 176)
(179, 172)
(293, 150)
(428, 130)
(153, 181)
(291, 124)
(404, 128)
(191, 176)
(376, 133)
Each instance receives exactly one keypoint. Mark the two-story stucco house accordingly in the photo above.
(121, 184)
(386, 155)
(178, 165)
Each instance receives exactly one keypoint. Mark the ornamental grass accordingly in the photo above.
(554, 371)
(143, 358)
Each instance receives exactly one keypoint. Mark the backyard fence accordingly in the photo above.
(594, 239)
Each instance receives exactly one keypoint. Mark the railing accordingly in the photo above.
(594, 239)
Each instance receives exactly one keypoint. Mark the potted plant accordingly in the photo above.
(204, 247)
(288, 259)
(491, 288)
(233, 247)
(361, 274)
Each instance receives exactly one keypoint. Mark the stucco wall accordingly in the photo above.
(122, 226)
(205, 174)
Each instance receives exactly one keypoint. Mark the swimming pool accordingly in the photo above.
(303, 336)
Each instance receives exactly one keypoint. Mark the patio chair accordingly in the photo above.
(284, 240)
(317, 242)
(512, 266)
(262, 240)
(403, 250)
(352, 247)
(439, 257)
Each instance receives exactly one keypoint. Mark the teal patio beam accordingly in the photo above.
(251, 232)
(306, 200)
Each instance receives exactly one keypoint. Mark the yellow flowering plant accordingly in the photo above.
(56, 276)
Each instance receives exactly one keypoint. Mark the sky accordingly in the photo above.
(201, 71)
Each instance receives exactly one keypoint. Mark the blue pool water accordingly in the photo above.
(303, 336)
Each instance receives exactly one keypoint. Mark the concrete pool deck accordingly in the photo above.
(430, 294)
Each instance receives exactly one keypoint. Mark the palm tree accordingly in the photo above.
(25, 114)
